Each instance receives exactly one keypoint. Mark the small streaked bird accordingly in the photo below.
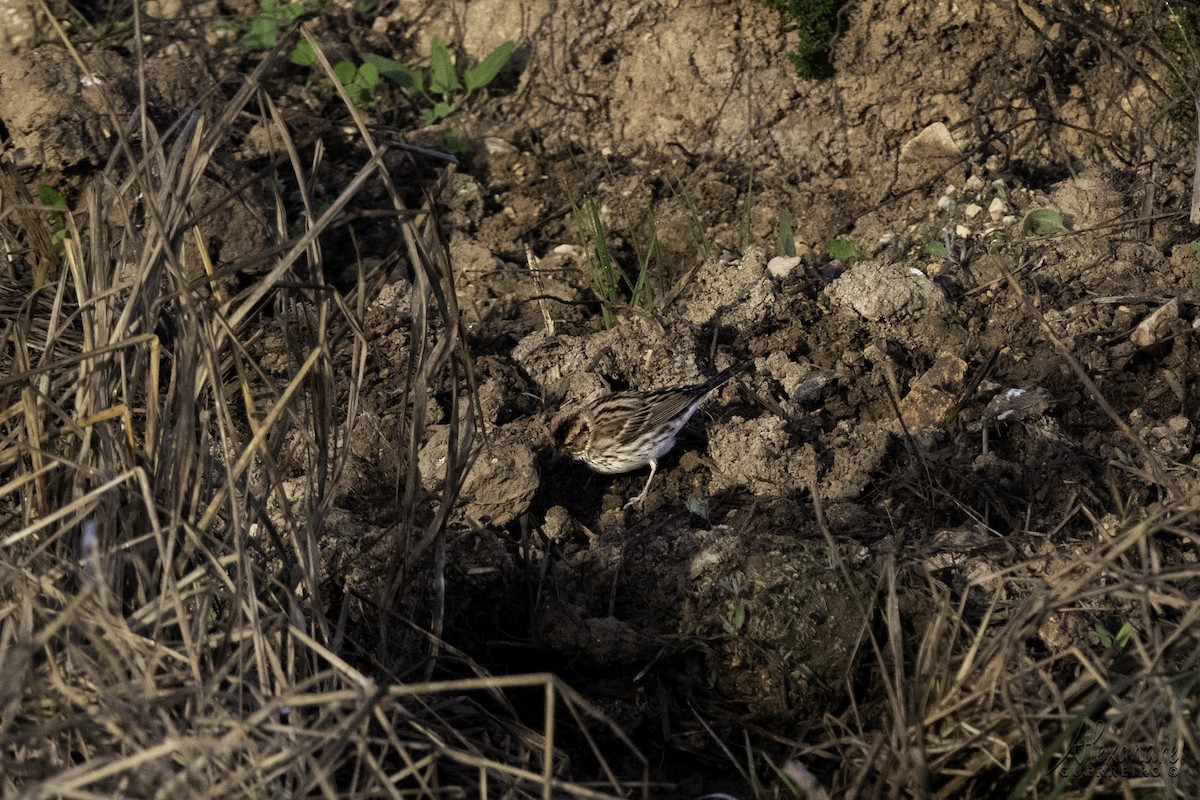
(627, 430)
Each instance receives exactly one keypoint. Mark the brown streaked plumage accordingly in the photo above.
(627, 430)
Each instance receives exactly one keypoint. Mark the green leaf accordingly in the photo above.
(51, 196)
(1042, 221)
(412, 80)
(368, 75)
(736, 621)
(842, 250)
(263, 34)
(787, 240)
(346, 72)
(290, 12)
(454, 143)
(1106, 640)
(442, 79)
(440, 110)
(1122, 637)
(1195, 249)
(303, 54)
(486, 71)
(937, 250)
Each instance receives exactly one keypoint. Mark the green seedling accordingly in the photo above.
(843, 250)
(1043, 221)
(55, 199)
(608, 277)
(406, 78)
(748, 213)
(274, 21)
(447, 89)
(1113, 641)
(262, 32)
(436, 93)
(359, 81)
(735, 620)
(649, 264)
(816, 23)
(787, 240)
(594, 236)
(696, 227)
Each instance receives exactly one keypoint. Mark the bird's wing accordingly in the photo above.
(664, 406)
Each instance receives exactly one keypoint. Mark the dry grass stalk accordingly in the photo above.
(161, 630)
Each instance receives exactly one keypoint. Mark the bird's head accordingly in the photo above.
(570, 430)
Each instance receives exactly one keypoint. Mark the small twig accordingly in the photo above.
(532, 262)
(1195, 215)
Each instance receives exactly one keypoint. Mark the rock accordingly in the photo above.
(1016, 405)
(931, 154)
(502, 481)
(935, 142)
(1157, 326)
(935, 394)
(782, 266)
(881, 292)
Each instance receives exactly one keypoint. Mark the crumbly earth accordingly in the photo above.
(912, 403)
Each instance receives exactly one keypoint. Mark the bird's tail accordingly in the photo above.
(724, 375)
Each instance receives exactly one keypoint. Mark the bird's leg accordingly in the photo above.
(641, 498)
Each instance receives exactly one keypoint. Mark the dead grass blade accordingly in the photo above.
(164, 490)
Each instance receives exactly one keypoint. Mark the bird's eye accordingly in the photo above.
(561, 428)
(572, 436)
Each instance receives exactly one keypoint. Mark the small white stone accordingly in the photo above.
(962, 231)
(782, 266)
(1156, 326)
(494, 145)
(1009, 219)
(974, 183)
(971, 210)
(997, 209)
(945, 202)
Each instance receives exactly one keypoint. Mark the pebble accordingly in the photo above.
(782, 266)
(971, 210)
(997, 209)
